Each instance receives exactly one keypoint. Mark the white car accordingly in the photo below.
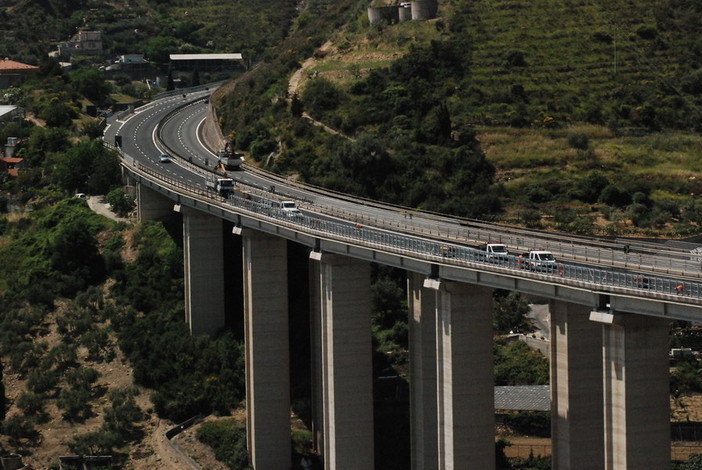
(290, 209)
(165, 158)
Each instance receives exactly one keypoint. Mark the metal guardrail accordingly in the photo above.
(571, 248)
(428, 249)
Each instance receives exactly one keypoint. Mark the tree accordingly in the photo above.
(170, 84)
(694, 462)
(57, 112)
(321, 95)
(75, 404)
(120, 202)
(91, 84)
(123, 413)
(32, 404)
(87, 167)
(510, 313)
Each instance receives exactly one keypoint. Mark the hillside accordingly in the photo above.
(586, 111)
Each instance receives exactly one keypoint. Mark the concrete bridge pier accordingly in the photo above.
(465, 376)
(344, 331)
(576, 388)
(636, 391)
(267, 350)
(152, 205)
(204, 271)
(422, 369)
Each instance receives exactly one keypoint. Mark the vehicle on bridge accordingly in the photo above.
(537, 260)
(290, 209)
(223, 186)
(228, 160)
(495, 252)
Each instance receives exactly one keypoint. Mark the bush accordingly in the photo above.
(228, 440)
(533, 423)
(321, 95)
(578, 140)
(41, 380)
(530, 217)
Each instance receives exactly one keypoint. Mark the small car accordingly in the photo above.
(165, 158)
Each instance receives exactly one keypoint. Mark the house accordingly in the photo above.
(14, 73)
(10, 113)
(12, 165)
(83, 43)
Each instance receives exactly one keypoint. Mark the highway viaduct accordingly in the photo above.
(609, 340)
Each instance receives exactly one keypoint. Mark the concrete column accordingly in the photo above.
(346, 351)
(267, 350)
(204, 272)
(422, 363)
(152, 205)
(466, 396)
(577, 418)
(636, 392)
(316, 357)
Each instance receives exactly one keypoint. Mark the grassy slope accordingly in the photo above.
(579, 57)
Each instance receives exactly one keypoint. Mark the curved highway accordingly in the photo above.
(171, 125)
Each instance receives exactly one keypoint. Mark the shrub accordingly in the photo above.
(228, 440)
(321, 95)
(530, 217)
(578, 140)
(534, 423)
(41, 380)
(515, 59)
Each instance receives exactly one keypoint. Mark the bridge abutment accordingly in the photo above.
(576, 388)
(465, 376)
(267, 350)
(346, 361)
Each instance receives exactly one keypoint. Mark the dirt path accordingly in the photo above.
(98, 204)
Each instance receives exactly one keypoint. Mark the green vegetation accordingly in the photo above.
(228, 440)
(551, 95)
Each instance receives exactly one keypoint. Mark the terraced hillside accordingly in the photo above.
(553, 62)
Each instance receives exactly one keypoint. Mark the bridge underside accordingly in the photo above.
(609, 372)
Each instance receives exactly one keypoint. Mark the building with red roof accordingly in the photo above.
(14, 73)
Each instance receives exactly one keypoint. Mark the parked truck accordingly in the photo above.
(222, 186)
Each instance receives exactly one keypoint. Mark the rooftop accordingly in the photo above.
(523, 397)
(6, 109)
(234, 56)
(7, 64)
